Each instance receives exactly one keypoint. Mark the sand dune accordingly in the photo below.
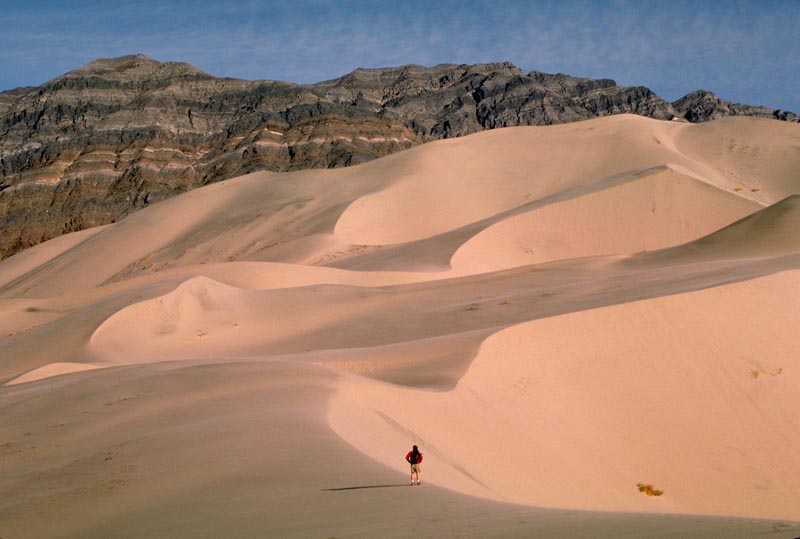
(655, 209)
(556, 315)
(769, 232)
(457, 185)
(52, 369)
(698, 400)
(754, 158)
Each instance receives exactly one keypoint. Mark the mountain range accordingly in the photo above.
(99, 142)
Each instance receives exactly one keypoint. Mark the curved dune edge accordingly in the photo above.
(204, 318)
(52, 369)
(575, 411)
(464, 180)
(172, 326)
(29, 259)
(770, 232)
(455, 182)
(666, 206)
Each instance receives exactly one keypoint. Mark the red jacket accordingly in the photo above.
(408, 457)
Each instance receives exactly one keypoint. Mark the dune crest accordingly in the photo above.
(185, 323)
(770, 232)
(654, 209)
(52, 369)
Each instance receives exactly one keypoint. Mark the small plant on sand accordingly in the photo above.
(756, 373)
(472, 307)
(649, 490)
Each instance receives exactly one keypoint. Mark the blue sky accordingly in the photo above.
(744, 51)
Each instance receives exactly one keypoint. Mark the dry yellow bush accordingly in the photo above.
(649, 490)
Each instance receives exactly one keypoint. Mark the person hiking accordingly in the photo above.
(414, 457)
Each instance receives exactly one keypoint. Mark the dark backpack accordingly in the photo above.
(412, 458)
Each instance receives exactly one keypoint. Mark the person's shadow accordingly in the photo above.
(364, 486)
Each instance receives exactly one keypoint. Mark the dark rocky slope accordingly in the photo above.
(703, 106)
(90, 146)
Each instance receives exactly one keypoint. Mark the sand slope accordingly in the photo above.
(698, 399)
(554, 315)
(657, 208)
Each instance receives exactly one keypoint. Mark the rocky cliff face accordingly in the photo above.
(99, 142)
(89, 147)
(702, 106)
(455, 100)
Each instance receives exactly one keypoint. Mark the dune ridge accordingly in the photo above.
(588, 317)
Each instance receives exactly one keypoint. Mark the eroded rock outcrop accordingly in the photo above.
(702, 106)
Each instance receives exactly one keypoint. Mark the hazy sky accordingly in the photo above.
(745, 51)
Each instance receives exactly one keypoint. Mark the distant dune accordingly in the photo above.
(588, 329)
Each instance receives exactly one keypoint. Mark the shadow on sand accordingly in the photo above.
(365, 486)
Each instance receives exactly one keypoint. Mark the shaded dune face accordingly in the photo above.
(593, 316)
